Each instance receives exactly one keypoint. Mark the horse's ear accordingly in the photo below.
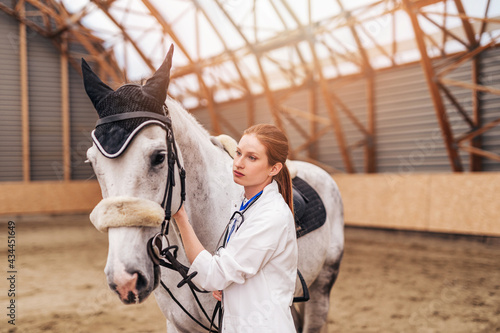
(95, 88)
(157, 85)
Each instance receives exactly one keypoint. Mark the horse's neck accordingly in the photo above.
(198, 153)
(209, 184)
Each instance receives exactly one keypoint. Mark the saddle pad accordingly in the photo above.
(310, 213)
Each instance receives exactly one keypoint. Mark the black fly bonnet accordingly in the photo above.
(122, 114)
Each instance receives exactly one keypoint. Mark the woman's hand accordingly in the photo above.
(217, 294)
(181, 215)
(192, 244)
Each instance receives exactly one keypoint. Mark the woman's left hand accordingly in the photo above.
(217, 294)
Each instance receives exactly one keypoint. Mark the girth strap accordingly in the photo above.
(305, 296)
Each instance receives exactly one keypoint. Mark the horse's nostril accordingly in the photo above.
(141, 283)
(131, 298)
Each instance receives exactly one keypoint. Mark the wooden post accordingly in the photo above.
(313, 128)
(370, 152)
(430, 77)
(25, 121)
(216, 129)
(476, 160)
(250, 111)
(65, 113)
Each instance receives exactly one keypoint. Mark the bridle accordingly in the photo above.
(160, 255)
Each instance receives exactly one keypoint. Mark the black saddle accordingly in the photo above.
(310, 213)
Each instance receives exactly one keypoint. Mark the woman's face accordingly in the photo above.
(251, 167)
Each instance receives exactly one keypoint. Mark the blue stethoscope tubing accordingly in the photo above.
(226, 234)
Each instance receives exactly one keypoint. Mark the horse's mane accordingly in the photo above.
(189, 130)
(193, 122)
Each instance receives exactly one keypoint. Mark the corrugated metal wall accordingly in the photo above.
(44, 82)
(408, 134)
(490, 104)
(45, 110)
(10, 101)
(409, 137)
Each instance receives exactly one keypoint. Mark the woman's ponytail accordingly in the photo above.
(285, 186)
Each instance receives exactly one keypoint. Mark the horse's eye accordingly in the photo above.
(158, 159)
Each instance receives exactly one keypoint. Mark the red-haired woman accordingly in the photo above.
(256, 269)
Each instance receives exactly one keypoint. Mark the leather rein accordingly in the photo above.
(160, 255)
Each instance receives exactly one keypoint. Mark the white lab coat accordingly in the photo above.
(257, 269)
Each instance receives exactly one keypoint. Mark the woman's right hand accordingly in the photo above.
(217, 294)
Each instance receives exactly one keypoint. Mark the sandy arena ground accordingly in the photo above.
(389, 282)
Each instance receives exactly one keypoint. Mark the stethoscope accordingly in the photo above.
(226, 235)
(235, 218)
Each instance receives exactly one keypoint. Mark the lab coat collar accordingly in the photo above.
(272, 187)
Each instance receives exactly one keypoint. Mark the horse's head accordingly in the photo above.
(130, 154)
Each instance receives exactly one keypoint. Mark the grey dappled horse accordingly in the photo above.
(129, 160)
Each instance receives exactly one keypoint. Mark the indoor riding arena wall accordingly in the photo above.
(45, 132)
(45, 124)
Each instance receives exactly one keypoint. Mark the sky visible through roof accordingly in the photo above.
(209, 21)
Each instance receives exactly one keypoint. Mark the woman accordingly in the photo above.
(256, 267)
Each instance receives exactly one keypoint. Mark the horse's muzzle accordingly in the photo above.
(133, 288)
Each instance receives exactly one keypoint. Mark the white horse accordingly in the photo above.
(140, 172)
